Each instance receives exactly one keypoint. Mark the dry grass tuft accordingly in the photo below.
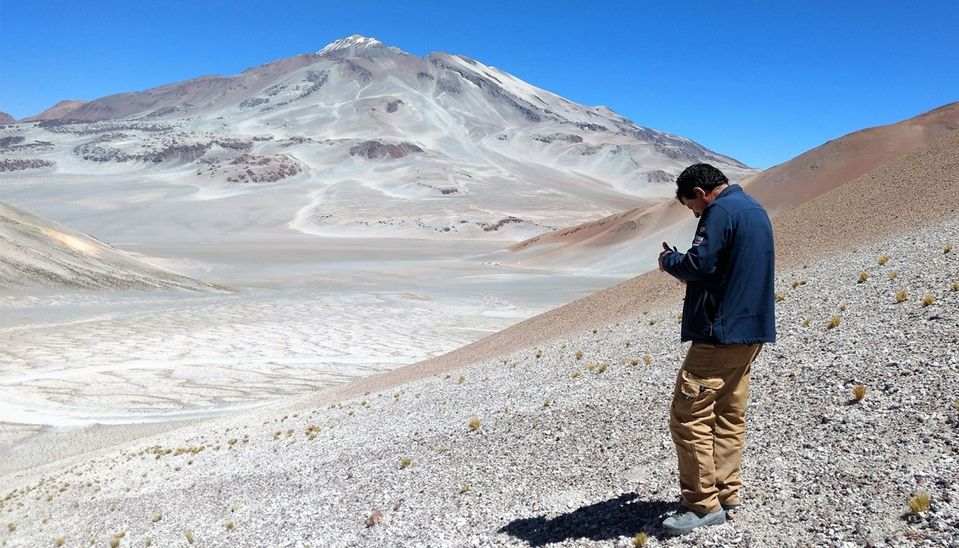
(893, 275)
(157, 517)
(460, 380)
(947, 248)
(901, 295)
(863, 276)
(833, 322)
(634, 361)
(920, 503)
(11, 527)
(474, 424)
(928, 300)
(842, 307)
(575, 374)
(230, 526)
(859, 392)
(405, 462)
(601, 368)
(189, 537)
(464, 488)
(647, 359)
(797, 283)
(539, 354)
(806, 322)
(780, 297)
(883, 259)
(640, 539)
(579, 354)
(954, 286)
(59, 541)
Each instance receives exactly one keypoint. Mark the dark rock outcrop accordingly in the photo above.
(19, 164)
(263, 169)
(375, 150)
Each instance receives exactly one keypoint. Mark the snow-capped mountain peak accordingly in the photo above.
(368, 141)
(358, 46)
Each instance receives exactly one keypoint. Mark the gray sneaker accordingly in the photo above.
(685, 520)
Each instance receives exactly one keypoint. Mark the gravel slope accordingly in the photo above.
(572, 461)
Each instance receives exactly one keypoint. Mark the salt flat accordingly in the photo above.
(299, 318)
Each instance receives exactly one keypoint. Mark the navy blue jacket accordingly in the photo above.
(729, 273)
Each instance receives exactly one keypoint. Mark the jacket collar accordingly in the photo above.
(730, 189)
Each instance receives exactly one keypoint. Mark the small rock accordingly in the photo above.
(375, 518)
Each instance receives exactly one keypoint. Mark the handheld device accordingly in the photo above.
(667, 248)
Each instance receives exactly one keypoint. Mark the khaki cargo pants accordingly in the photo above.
(708, 422)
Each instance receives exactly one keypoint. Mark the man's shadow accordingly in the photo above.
(624, 515)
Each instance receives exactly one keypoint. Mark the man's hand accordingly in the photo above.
(661, 255)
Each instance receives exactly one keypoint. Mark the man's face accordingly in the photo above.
(698, 204)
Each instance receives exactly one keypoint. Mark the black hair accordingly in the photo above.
(703, 176)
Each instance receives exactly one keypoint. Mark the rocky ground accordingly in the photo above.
(567, 444)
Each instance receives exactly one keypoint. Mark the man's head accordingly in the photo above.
(698, 186)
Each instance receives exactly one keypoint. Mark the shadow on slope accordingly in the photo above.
(624, 515)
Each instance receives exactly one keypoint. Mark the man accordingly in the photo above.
(728, 314)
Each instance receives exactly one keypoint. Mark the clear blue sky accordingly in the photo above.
(761, 81)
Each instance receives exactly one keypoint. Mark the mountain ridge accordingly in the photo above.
(457, 132)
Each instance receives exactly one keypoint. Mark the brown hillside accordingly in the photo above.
(835, 162)
(60, 110)
(779, 188)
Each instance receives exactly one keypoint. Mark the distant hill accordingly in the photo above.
(629, 241)
(38, 253)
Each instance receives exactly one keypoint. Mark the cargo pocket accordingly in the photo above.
(694, 386)
(697, 394)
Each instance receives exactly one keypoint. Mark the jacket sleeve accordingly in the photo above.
(700, 260)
